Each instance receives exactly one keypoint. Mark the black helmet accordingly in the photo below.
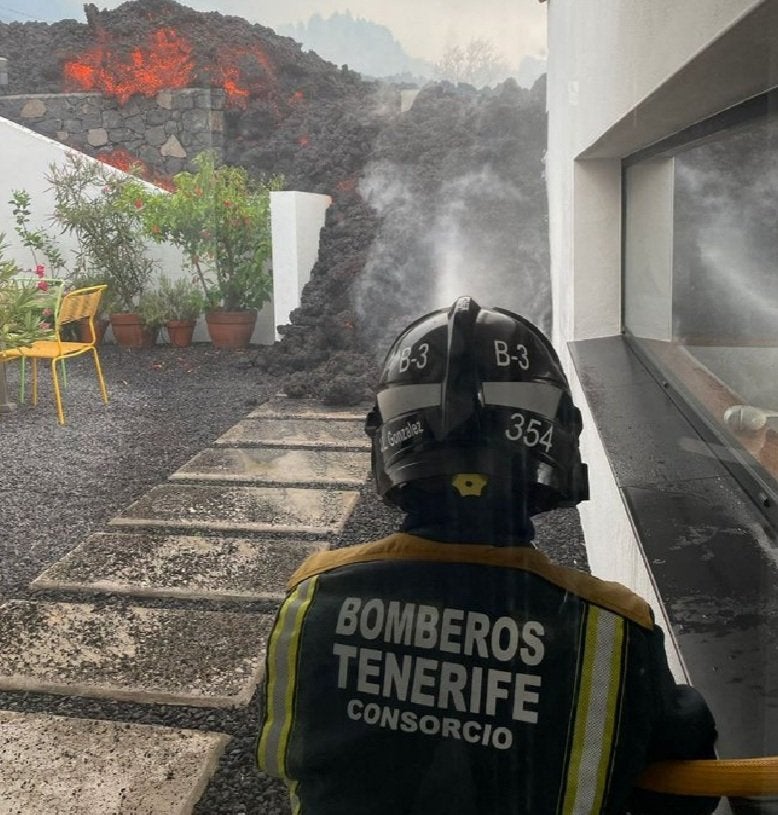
(475, 400)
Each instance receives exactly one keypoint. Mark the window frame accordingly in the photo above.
(760, 486)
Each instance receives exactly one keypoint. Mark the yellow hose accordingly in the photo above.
(737, 777)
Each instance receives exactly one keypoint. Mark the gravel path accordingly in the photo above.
(58, 484)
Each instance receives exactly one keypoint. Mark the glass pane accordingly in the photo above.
(719, 290)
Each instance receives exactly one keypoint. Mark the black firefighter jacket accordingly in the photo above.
(410, 677)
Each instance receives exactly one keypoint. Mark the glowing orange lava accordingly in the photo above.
(125, 161)
(245, 72)
(120, 158)
(164, 62)
(230, 81)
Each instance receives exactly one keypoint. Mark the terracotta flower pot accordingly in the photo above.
(180, 332)
(130, 332)
(231, 329)
(85, 335)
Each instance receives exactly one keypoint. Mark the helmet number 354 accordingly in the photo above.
(532, 432)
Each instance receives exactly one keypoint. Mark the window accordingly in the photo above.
(701, 280)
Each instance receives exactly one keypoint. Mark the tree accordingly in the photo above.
(478, 64)
(220, 218)
(91, 203)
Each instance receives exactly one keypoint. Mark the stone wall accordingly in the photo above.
(165, 131)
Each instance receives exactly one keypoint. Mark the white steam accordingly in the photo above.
(470, 236)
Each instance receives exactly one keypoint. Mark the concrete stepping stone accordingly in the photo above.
(281, 408)
(178, 566)
(54, 765)
(168, 656)
(285, 510)
(274, 465)
(319, 434)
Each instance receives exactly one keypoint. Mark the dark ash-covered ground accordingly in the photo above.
(57, 484)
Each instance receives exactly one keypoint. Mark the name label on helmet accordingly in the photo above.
(391, 438)
(504, 356)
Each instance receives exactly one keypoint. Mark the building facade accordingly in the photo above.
(662, 172)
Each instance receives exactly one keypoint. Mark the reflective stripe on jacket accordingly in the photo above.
(410, 676)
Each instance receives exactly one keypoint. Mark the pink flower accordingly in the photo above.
(47, 312)
(44, 326)
(43, 285)
(40, 270)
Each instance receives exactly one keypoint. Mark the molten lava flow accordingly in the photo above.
(120, 158)
(126, 162)
(165, 62)
(244, 73)
(230, 81)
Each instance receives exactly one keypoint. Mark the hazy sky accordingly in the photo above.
(425, 28)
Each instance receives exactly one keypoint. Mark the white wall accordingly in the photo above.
(621, 76)
(25, 157)
(297, 220)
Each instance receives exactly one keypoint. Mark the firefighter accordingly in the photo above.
(451, 668)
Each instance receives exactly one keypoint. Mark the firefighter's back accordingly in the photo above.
(413, 676)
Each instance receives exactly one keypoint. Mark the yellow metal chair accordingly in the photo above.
(75, 305)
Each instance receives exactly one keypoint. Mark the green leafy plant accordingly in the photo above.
(26, 311)
(152, 308)
(220, 219)
(91, 203)
(182, 300)
(38, 241)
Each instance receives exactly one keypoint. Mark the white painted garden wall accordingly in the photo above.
(297, 220)
(25, 157)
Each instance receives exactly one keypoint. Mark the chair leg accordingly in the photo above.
(100, 379)
(22, 369)
(34, 381)
(57, 396)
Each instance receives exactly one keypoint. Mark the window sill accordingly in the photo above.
(713, 557)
